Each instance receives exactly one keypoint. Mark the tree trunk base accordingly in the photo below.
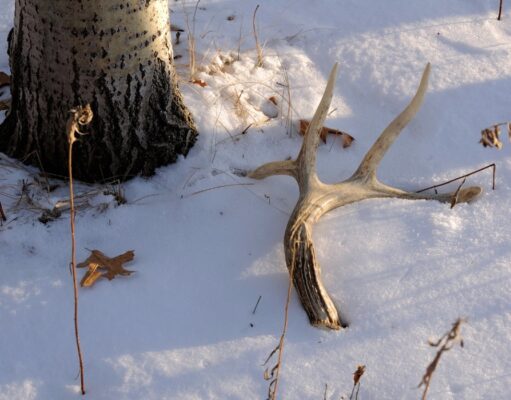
(118, 60)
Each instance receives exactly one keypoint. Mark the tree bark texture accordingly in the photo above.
(115, 55)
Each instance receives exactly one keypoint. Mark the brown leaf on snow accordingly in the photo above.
(5, 79)
(5, 105)
(347, 139)
(273, 100)
(200, 82)
(100, 265)
(358, 374)
(490, 137)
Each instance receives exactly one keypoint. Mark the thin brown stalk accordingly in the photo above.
(191, 41)
(79, 116)
(463, 177)
(275, 372)
(454, 200)
(2, 214)
(357, 376)
(445, 343)
(258, 46)
(500, 10)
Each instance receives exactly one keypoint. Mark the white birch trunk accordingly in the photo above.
(115, 55)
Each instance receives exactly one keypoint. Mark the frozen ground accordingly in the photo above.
(182, 327)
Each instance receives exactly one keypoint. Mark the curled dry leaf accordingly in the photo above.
(5, 79)
(490, 137)
(347, 139)
(200, 82)
(270, 108)
(175, 28)
(5, 104)
(100, 265)
(357, 375)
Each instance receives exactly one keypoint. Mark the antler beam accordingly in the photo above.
(317, 198)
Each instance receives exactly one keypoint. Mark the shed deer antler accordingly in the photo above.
(317, 198)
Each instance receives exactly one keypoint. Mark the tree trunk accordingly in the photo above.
(115, 55)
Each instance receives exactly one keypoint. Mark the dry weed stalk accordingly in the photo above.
(357, 376)
(273, 375)
(493, 166)
(500, 10)
(258, 46)
(445, 343)
(3, 218)
(79, 116)
(191, 41)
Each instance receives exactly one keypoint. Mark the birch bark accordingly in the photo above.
(115, 55)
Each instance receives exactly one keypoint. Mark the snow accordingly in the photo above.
(208, 243)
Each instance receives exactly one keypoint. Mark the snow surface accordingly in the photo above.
(182, 327)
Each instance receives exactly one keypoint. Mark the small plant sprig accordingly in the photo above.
(80, 116)
(490, 136)
(273, 375)
(191, 41)
(258, 46)
(445, 343)
(357, 376)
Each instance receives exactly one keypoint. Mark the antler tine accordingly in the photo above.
(465, 195)
(304, 168)
(368, 166)
(286, 167)
(307, 157)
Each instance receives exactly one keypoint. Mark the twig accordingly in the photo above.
(275, 372)
(357, 375)
(454, 199)
(326, 390)
(2, 214)
(258, 46)
(446, 343)
(255, 308)
(80, 116)
(463, 177)
(191, 41)
(500, 11)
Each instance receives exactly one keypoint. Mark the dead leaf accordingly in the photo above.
(175, 28)
(200, 82)
(358, 374)
(490, 137)
(91, 276)
(273, 100)
(5, 104)
(347, 139)
(5, 79)
(100, 265)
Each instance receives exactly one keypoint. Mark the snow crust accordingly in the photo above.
(208, 243)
